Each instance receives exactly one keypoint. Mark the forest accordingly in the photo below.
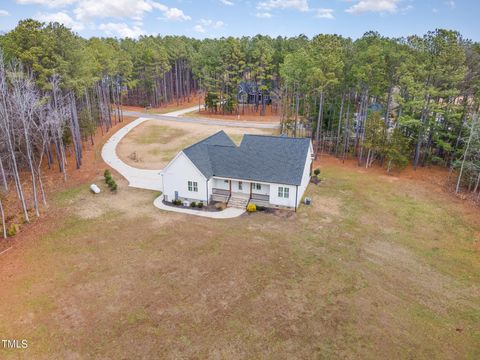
(386, 102)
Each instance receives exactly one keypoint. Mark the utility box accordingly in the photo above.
(307, 201)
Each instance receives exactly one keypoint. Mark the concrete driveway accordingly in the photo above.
(152, 179)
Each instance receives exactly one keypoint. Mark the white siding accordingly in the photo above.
(265, 190)
(176, 176)
(220, 184)
(210, 186)
(276, 200)
(245, 187)
(306, 175)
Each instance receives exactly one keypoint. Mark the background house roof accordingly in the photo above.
(275, 159)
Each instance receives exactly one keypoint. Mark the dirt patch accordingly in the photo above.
(327, 205)
(152, 144)
(245, 116)
(170, 107)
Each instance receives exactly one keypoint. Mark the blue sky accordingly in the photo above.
(216, 18)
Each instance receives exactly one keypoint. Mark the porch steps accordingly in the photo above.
(238, 202)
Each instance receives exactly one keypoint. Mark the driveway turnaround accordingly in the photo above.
(139, 178)
(227, 213)
(152, 179)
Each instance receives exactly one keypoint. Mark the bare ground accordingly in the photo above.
(152, 144)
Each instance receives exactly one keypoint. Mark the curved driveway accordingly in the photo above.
(152, 179)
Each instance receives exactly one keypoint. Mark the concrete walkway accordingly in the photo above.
(228, 213)
(152, 179)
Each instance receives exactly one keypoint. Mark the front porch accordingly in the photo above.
(239, 193)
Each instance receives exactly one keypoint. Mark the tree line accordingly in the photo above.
(376, 99)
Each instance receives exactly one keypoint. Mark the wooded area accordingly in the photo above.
(381, 100)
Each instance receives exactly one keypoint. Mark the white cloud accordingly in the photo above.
(62, 18)
(121, 29)
(364, 6)
(112, 8)
(135, 9)
(4, 13)
(300, 5)
(199, 29)
(324, 14)
(175, 14)
(263, 15)
(227, 2)
(48, 3)
(451, 4)
(210, 23)
(206, 24)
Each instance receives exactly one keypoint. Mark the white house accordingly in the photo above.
(271, 171)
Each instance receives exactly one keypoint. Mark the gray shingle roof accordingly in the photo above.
(275, 159)
(198, 152)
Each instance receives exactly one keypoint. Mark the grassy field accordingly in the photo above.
(375, 268)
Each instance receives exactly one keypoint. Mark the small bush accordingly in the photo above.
(13, 230)
(193, 204)
(220, 206)
(106, 173)
(200, 205)
(108, 178)
(316, 171)
(251, 207)
(261, 208)
(110, 182)
(114, 186)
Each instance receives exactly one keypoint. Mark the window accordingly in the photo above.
(283, 192)
(240, 185)
(257, 186)
(193, 186)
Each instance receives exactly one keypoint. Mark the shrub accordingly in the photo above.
(108, 178)
(110, 182)
(200, 205)
(251, 207)
(13, 230)
(261, 208)
(106, 173)
(316, 171)
(114, 186)
(193, 204)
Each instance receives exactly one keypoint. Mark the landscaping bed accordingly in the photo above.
(213, 207)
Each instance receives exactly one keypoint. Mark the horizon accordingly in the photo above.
(237, 18)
